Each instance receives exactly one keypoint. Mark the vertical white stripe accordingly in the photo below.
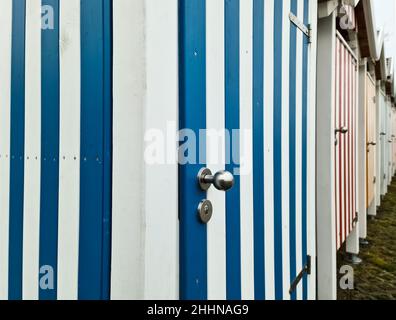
(299, 97)
(5, 100)
(311, 165)
(246, 126)
(161, 181)
(269, 149)
(285, 149)
(129, 85)
(31, 222)
(215, 114)
(69, 167)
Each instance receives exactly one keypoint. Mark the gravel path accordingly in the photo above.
(375, 278)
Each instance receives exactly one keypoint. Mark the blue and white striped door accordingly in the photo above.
(55, 131)
(245, 66)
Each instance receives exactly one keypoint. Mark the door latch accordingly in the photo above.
(306, 271)
(342, 130)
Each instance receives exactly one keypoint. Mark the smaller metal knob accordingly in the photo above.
(222, 180)
(205, 211)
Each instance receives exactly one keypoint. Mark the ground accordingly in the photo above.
(375, 278)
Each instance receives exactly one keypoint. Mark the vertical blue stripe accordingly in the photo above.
(233, 220)
(95, 195)
(258, 152)
(192, 103)
(278, 28)
(292, 149)
(49, 185)
(305, 149)
(108, 140)
(17, 150)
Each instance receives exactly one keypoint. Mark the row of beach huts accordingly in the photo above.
(189, 149)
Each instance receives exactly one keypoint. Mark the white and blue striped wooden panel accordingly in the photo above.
(244, 65)
(383, 141)
(56, 115)
(55, 150)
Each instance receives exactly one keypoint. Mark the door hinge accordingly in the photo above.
(307, 30)
(306, 271)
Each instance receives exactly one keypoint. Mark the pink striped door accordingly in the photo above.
(345, 148)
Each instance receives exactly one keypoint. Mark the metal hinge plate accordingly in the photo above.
(306, 271)
(300, 25)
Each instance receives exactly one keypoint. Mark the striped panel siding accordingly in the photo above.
(345, 164)
(57, 224)
(244, 77)
(256, 81)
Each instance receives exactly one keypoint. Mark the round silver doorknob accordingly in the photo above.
(222, 180)
(342, 130)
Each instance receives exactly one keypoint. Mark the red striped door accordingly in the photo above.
(345, 148)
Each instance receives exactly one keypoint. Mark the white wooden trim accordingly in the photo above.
(69, 164)
(326, 231)
(31, 210)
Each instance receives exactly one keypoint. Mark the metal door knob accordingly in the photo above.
(342, 130)
(222, 180)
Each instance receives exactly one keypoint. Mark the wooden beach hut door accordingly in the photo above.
(384, 142)
(245, 98)
(393, 125)
(345, 145)
(389, 142)
(371, 138)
